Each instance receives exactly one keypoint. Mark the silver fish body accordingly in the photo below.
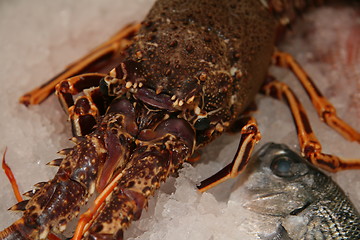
(304, 202)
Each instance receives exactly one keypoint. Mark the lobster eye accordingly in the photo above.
(103, 87)
(283, 166)
(202, 124)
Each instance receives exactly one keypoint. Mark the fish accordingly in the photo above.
(300, 200)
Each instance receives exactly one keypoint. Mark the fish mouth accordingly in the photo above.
(301, 209)
(259, 198)
(268, 195)
(275, 204)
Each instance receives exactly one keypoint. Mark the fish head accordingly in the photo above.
(279, 182)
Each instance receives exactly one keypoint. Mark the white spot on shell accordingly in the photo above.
(158, 90)
(152, 44)
(219, 127)
(44, 233)
(92, 188)
(113, 72)
(197, 110)
(139, 54)
(233, 70)
(128, 84)
(284, 21)
(233, 99)
(62, 227)
(190, 100)
(264, 2)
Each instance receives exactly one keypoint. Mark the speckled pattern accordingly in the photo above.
(194, 49)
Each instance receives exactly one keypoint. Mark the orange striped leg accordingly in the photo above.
(11, 178)
(240, 122)
(86, 218)
(101, 59)
(250, 135)
(325, 109)
(309, 145)
(83, 113)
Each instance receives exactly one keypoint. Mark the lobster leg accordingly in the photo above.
(101, 59)
(85, 110)
(11, 178)
(309, 145)
(250, 135)
(325, 109)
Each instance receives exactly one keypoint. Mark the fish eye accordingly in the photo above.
(282, 166)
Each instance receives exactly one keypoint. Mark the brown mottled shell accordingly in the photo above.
(217, 52)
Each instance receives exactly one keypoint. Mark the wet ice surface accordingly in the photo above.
(39, 39)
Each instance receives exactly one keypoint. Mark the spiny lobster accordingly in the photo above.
(152, 111)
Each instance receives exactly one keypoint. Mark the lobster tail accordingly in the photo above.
(17, 231)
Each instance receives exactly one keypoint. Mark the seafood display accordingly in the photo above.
(151, 124)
